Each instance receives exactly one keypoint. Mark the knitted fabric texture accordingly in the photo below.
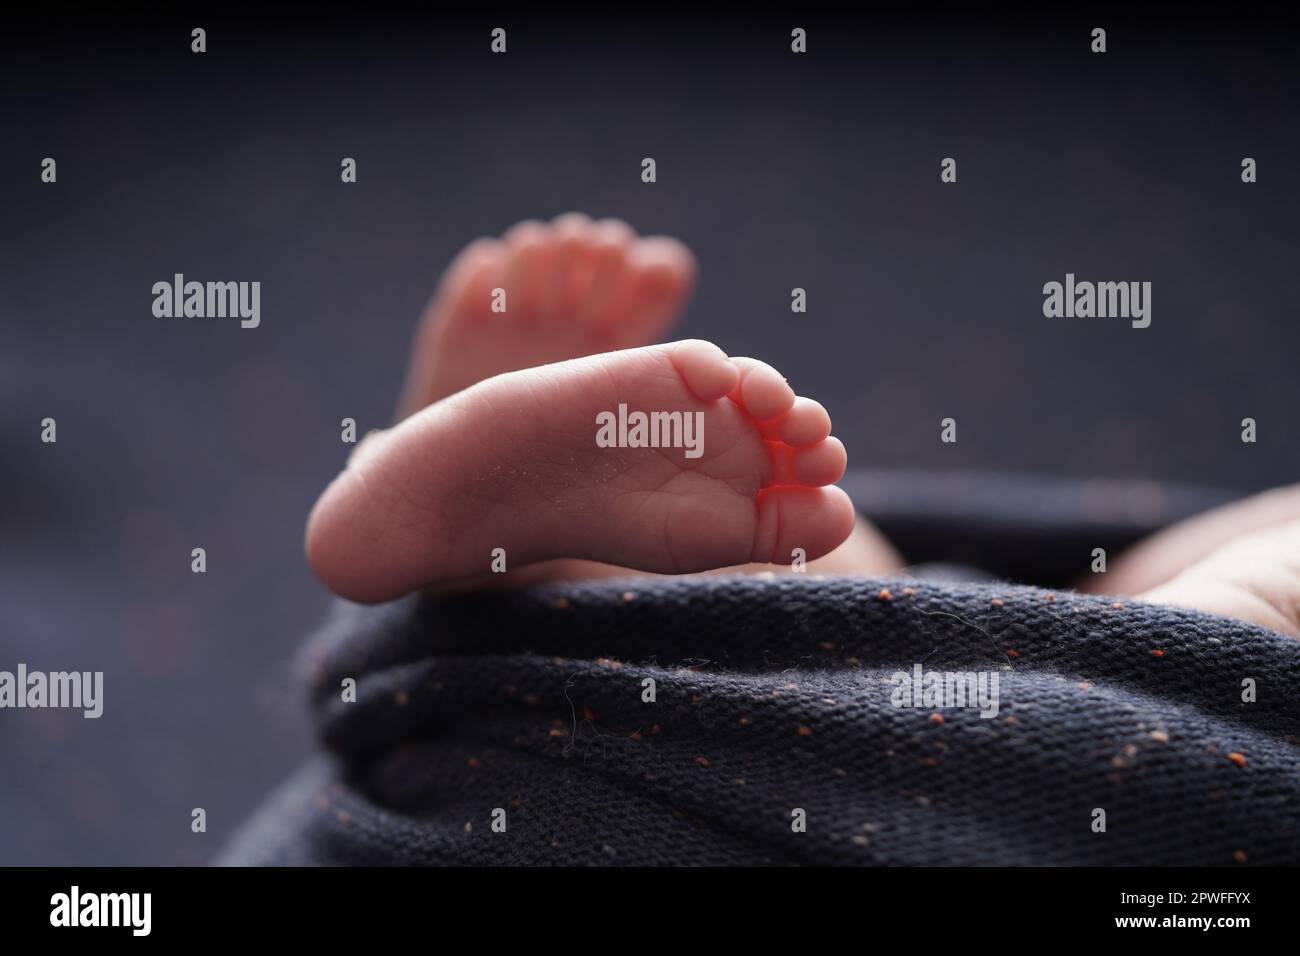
(776, 703)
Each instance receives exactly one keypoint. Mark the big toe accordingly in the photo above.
(798, 522)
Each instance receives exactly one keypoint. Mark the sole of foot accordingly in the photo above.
(514, 469)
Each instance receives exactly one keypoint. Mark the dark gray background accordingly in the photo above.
(818, 171)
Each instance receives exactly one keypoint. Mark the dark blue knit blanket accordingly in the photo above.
(785, 719)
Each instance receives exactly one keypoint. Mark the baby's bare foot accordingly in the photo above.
(545, 293)
(515, 463)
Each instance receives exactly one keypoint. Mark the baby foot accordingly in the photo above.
(545, 293)
(523, 462)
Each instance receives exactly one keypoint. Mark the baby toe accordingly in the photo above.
(806, 423)
(820, 464)
(704, 368)
(763, 392)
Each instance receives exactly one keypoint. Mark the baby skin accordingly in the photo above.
(533, 340)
